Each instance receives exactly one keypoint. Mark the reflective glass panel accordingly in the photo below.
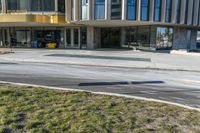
(164, 38)
(99, 9)
(168, 10)
(157, 10)
(131, 10)
(116, 8)
(144, 10)
(84, 9)
(178, 10)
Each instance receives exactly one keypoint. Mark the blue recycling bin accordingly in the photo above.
(35, 44)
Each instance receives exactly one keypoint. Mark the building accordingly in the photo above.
(144, 24)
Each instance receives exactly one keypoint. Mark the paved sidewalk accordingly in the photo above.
(111, 58)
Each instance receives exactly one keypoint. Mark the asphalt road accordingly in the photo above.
(175, 86)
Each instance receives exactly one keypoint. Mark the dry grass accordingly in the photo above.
(37, 110)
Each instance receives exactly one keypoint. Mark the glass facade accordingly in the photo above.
(144, 10)
(99, 9)
(68, 37)
(148, 37)
(35, 6)
(116, 7)
(186, 11)
(0, 7)
(164, 38)
(178, 10)
(131, 9)
(157, 10)
(198, 40)
(168, 10)
(143, 36)
(61, 6)
(84, 10)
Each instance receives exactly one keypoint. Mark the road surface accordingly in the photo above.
(174, 86)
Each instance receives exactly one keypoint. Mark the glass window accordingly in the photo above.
(36, 5)
(186, 11)
(199, 15)
(116, 9)
(131, 36)
(99, 9)
(178, 10)
(85, 10)
(168, 10)
(131, 10)
(0, 7)
(49, 5)
(143, 36)
(61, 6)
(157, 10)
(164, 38)
(198, 40)
(144, 10)
(76, 38)
(68, 37)
(12, 4)
(83, 37)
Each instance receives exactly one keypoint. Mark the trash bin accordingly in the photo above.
(35, 44)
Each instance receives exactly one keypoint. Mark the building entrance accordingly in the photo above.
(47, 39)
(110, 37)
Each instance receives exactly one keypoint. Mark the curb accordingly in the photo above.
(104, 93)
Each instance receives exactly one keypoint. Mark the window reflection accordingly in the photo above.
(144, 10)
(84, 9)
(131, 10)
(35, 6)
(178, 10)
(198, 40)
(164, 38)
(157, 10)
(99, 9)
(116, 9)
(143, 36)
(168, 10)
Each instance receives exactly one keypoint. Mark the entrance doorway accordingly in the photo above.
(110, 37)
(47, 39)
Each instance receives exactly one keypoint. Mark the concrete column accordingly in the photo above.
(151, 13)
(138, 10)
(124, 9)
(190, 12)
(174, 9)
(79, 38)
(76, 10)
(65, 38)
(56, 5)
(196, 12)
(68, 10)
(123, 34)
(108, 9)
(72, 37)
(90, 38)
(183, 8)
(163, 11)
(4, 7)
(91, 9)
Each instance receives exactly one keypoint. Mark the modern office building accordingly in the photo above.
(144, 24)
